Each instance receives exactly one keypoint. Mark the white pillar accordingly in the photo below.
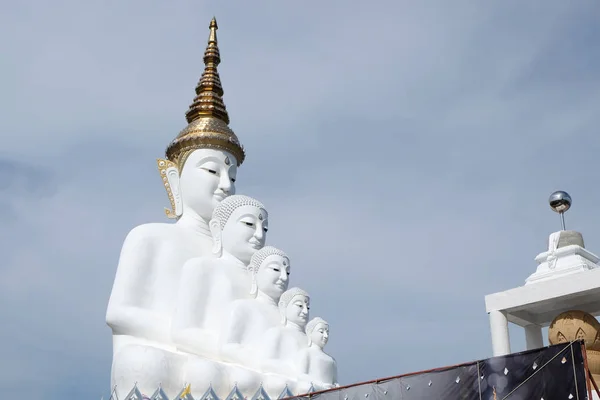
(533, 337)
(499, 328)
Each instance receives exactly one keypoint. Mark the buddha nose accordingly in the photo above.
(259, 233)
(225, 183)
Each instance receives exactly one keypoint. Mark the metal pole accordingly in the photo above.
(562, 220)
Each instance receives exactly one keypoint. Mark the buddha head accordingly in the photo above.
(294, 306)
(270, 269)
(207, 177)
(239, 226)
(317, 331)
(201, 162)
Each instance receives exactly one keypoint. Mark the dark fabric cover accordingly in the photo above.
(555, 372)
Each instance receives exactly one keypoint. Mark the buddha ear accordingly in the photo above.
(215, 230)
(254, 287)
(170, 177)
(283, 317)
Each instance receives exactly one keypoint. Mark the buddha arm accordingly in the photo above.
(128, 312)
(233, 334)
(303, 362)
(303, 366)
(335, 373)
(192, 294)
(271, 352)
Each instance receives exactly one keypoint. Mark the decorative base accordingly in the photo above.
(186, 394)
(563, 258)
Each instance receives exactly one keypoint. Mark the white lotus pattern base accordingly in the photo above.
(209, 394)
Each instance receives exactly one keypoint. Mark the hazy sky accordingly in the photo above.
(405, 151)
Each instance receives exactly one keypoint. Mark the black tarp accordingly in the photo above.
(554, 372)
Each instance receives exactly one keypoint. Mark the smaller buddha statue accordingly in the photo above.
(209, 285)
(281, 344)
(316, 367)
(249, 319)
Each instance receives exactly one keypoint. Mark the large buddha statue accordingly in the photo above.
(199, 172)
(209, 285)
(316, 367)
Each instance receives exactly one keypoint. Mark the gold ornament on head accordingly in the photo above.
(207, 116)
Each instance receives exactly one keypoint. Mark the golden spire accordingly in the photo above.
(207, 116)
(209, 92)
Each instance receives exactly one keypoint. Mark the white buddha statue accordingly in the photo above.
(249, 319)
(316, 367)
(282, 343)
(199, 172)
(209, 285)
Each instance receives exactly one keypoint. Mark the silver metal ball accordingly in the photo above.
(560, 201)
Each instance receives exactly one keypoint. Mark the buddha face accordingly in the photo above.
(245, 232)
(272, 277)
(297, 310)
(320, 335)
(208, 176)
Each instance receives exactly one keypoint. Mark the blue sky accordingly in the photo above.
(405, 151)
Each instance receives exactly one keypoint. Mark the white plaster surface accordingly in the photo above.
(204, 302)
(567, 278)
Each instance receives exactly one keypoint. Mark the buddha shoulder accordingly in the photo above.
(153, 234)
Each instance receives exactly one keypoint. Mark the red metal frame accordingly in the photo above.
(589, 379)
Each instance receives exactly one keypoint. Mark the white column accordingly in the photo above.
(533, 337)
(499, 328)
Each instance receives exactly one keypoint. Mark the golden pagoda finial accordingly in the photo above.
(207, 116)
(209, 101)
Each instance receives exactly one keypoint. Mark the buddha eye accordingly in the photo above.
(233, 180)
(265, 228)
(248, 223)
(276, 269)
(211, 171)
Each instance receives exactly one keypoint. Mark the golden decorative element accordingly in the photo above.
(578, 325)
(207, 116)
(575, 325)
(188, 390)
(163, 165)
